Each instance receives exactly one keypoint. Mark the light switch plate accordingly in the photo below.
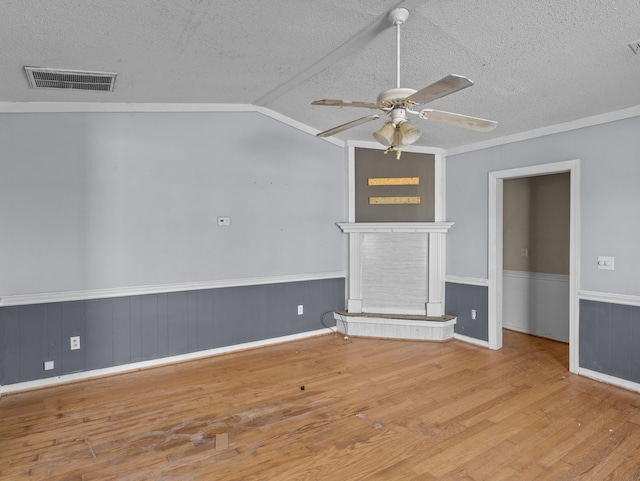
(606, 263)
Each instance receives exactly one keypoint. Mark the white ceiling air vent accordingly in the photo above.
(52, 78)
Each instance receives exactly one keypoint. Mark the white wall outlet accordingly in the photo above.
(525, 252)
(74, 343)
(224, 221)
(48, 365)
(606, 263)
(300, 309)
(474, 314)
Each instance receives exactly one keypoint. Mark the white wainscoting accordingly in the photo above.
(536, 303)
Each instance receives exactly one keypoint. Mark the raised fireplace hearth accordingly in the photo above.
(395, 326)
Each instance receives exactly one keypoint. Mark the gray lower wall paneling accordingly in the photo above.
(460, 299)
(124, 330)
(609, 339)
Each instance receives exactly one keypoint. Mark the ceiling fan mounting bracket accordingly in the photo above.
(398, 16)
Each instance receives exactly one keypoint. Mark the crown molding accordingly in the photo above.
(124, 107)
(549, 130)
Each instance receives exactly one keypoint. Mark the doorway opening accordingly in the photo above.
(496, 249)
(535, 260)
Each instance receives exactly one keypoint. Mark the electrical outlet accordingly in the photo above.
(474, 314)
(300, 309)
(635, 46)
(74, 343)
(48, 365)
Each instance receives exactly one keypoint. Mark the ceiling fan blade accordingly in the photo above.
(458, 120)
(445, 86)
(348, 125)
(347, 103)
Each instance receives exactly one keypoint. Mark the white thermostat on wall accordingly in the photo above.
(224, 221)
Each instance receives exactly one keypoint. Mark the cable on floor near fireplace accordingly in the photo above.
(323, 323)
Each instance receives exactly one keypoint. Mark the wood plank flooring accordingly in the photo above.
(370, 409)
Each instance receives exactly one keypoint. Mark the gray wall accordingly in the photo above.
(107, 200)
(609, 339)
(609, 225)
(123, 330)
(460, 299)
(115, 200)
(610, 176)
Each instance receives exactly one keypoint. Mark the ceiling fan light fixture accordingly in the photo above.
(408, 133)
(386, 134)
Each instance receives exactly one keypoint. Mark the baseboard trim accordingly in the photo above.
(471, 340)
(25, 299)
(532, 333)
(606, 378)
(137, 366)
(625, 299)
(471, 281)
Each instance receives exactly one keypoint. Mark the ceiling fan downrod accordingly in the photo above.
(397, 17)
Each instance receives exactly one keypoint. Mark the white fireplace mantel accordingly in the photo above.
(416, 244)
(412, 227)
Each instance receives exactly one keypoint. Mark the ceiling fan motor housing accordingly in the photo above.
(394, 97)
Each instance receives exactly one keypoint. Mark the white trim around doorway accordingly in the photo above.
(496, 179)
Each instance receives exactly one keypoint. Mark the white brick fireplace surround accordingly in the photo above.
(397, 269)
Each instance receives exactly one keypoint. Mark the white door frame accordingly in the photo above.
(495, 249)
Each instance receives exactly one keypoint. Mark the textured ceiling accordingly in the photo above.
(535, 64)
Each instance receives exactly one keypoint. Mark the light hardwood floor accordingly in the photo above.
(370, 409)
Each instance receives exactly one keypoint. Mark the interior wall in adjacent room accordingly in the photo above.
(536, 224)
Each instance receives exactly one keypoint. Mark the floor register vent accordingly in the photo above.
(50, 78)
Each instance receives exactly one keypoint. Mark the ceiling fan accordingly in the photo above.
(396, 103)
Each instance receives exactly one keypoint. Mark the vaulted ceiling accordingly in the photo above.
(534, 63)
